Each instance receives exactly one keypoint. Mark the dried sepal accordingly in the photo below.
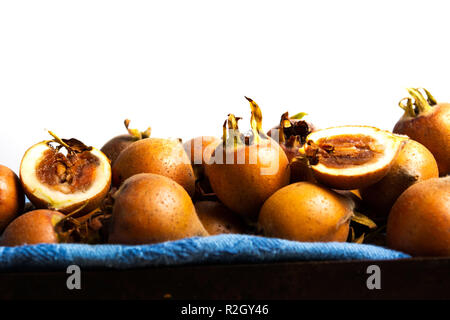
(136, 133)
(363, 220)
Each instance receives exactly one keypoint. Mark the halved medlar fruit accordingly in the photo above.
(116, 145)
(351, 157)
(64, 175)
(413, 164)
(305, 211)
(428, 122)
(12, 199)
(419, 221)
(150, 208)
(245, 171)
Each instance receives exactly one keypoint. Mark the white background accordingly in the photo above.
(80, 68)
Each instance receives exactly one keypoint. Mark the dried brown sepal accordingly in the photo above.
(256, 122)
(72, 145)
(231, 135)
(363, 220)
(422, 101)
(136, 133)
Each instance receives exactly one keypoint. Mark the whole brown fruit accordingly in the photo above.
(218, 219)
(151, 208)
(37, 226)
(12, 199)
(427, 122)
(154, 155)
(199, 150)
(305, 211)
(419, 221)
(413, 164)
(116, 145)
(244, 187)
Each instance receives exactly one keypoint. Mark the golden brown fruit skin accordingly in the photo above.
(37, 226)
(432, 129)
(151, 208)
(12, 199)
(243, 188)
(199, 150)
(218, 219)
(154, 155)
(116, 145)
(299, 166)
(304, 211)
(413, 164)
(419, 221)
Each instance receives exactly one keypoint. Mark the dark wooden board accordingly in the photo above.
(418, 278)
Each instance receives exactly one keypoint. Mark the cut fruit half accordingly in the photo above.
(351, 157)
(65, 180)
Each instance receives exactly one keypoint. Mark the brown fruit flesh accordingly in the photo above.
(92, 203)
(419, 221)
(242, 187)
(116, 145)
(151, 208)
(12, 198)
(413, 164)
(346, 150)
(67, 174)
(351, 157)
(218, 219)
(305, 211)
(33, 227)
(431, 129)
(159, 156)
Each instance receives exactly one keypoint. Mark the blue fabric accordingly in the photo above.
(199, 250)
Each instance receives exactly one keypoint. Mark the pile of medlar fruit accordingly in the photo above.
(349, 183)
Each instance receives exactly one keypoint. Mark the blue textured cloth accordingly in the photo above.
(199, 250)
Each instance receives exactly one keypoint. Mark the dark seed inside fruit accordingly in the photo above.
(67, 173)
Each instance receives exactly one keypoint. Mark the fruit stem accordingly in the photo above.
(431, 100)
(256, 122)
(409, 109)
(234, 136)
(420, 102)
(136, 133)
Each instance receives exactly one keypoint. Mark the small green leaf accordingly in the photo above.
(299, 116)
